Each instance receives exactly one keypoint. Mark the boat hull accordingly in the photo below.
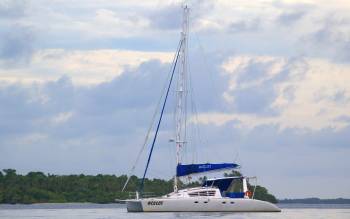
(200, 205)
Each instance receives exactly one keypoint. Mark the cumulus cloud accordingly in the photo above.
(292, 12)
(299, 93)
(291, 17)
(16, 46)
(108, 23)
(332, 38)
(17, 39)
(59, 115)
(82, 66)
(166, 17)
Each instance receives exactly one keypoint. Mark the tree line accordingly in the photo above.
(37, 187)
(315, 201)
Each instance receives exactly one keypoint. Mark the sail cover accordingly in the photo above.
(187, 169)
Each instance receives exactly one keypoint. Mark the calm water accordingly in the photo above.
(111, 211)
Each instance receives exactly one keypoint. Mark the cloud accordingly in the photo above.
(252, 86)
(108, 23)
(166, 17)
(68, 110)
(82, 66)
(289, 93)
(291, 17)
(12, 8)
(244, 26)
(17, 39)
(332, 38)
(16, 45)
(62, 117)
(57, 116)
(292, 12)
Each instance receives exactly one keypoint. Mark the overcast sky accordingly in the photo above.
(79, 81)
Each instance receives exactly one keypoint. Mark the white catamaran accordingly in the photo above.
(215, 194)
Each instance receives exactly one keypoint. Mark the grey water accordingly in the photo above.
(111, 211)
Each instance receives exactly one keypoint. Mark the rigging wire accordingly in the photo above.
(160, 118)
(156, 111)
(195, 129)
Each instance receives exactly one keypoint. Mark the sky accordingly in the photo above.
(80, 81)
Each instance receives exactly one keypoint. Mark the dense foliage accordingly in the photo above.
(37, 187)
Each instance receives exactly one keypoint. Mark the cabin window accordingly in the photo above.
(223, 202)
(205, 202)
(202, 193)
(232, 202)
(196, 202)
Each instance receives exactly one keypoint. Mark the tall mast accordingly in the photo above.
(181, 92)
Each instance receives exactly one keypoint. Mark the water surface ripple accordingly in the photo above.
(113, 211)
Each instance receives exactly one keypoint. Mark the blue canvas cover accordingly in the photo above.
(187, 169)
(235, 195)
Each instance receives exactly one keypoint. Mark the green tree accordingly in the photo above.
(37, 187)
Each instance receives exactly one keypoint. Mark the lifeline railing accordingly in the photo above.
(133, 195)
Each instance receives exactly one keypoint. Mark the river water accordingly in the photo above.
(112, 211)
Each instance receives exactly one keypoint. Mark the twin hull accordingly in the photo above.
(200, 204)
